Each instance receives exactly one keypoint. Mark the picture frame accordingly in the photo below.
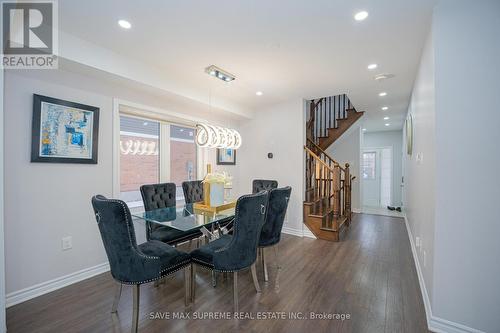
(64, 131)
(226, 156)
(409, 134)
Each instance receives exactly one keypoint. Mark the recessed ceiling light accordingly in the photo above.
(124, 24)
(361, 16)
(259, 93)
(364, 129)
(384, 108)
(382, 94)
(372, 66)
(386, 118)
(387, 124)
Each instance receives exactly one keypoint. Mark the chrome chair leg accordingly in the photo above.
(214, 279)
(135, 311)
(193, 282)
(254, 278)
(235, 292)
(276, 283)
(187, 285)
(264, 266)
(116, 300)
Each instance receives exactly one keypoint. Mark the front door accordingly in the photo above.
(376, 175)
(371, 178)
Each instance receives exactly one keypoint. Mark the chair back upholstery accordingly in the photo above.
(127, 263)
(276, 211)
(263, 185)
(241, 252)
(155, 196)
(193, 191)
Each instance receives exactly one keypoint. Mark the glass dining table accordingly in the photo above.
(187, 218)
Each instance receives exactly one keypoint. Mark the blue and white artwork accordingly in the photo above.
(65, 132)
(226, 156)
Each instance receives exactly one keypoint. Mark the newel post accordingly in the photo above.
(347, 194)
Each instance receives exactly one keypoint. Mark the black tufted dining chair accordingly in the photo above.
(239, 251)
(271, 231)
(130, 263)
(193, 191)
(157, 196)
(263, 185)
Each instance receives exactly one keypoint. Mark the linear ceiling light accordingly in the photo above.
(220, 73)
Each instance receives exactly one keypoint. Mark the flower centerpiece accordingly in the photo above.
(216, 182)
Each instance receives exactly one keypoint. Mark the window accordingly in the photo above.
(182, 157)
(369, 165)
(139, 157)
(154, 152)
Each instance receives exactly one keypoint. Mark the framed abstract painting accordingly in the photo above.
(226, 156)
(63, 131)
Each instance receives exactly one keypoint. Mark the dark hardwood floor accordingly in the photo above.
(369, 275)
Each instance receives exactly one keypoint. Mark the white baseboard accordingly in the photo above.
(304, 232)
(25, 294)
(292, 231)
(308, 233)
(435, 324)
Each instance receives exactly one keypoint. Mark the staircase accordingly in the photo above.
(327, 205)
(329, 118)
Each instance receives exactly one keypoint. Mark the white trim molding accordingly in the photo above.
(40, 289)
(292, 231)
(435, 324)
(304, 232)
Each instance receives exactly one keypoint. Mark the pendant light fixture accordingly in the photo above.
(211, 136)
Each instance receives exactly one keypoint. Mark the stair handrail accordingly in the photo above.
(316, 157)
(325, 153)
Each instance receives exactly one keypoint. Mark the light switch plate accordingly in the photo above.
(420, 158)
(67, 243)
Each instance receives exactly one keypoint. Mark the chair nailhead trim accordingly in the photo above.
(209, 267)
(182, 265)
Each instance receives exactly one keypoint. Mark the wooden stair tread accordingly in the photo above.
(340, 222)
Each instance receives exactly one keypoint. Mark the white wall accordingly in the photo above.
(347, 149)
(280, 130)
(419, 178)
(452, 195)
(467, 246)
(45, 202)
(389, 139)
(3, 326)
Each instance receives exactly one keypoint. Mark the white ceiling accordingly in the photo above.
(287, 49)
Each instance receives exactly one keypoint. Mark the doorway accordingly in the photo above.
(376, 175)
